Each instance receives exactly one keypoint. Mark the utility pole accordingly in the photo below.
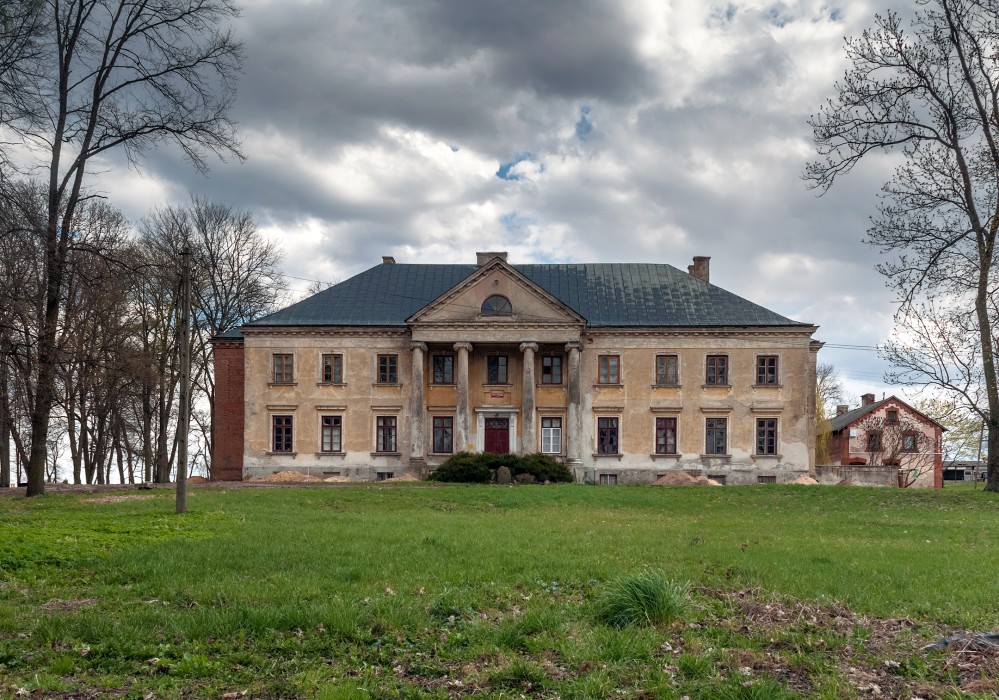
(184, 415)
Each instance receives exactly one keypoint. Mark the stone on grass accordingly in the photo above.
(503, 475)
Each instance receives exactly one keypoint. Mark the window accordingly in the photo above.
(909, 442)
(717, 370)
(716, 434)
(282, 430)
(443, 369)
(496, 369)
(608, 479)
(766, 479)
(607, 436)
(720, 478)
(609, 369)
(332, 369)
(384, 476)
(497, 305)
(766, 436)
(551, 369)
(891, 417)
(443, 434)
(667, 370)
(284, 365)
(385, 434)
(766, 369)
(331, 434)
(873, 442)
(388, 366)
(666, 436)
(551, 436)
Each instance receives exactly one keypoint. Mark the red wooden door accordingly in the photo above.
(497, 437)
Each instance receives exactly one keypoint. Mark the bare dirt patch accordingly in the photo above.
(289, 477)
(878, 657)
(117, 499)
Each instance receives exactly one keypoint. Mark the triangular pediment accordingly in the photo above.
(529, 303)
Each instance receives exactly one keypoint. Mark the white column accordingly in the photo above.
(529, 438)
(574, 427)
(463, 418)
(417, 417)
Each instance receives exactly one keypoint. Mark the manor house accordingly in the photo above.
(624, 371)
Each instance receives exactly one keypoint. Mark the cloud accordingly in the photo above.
(568, 130)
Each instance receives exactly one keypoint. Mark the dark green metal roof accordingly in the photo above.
(605, 294)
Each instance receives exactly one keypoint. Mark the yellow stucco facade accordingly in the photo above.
(618, 404)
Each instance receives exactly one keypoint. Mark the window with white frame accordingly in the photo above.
(551, 435)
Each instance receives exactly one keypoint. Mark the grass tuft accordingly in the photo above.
(645, 598)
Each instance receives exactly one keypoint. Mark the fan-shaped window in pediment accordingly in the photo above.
(496, 305)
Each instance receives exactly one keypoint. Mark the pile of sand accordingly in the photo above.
(337, 480)
(405, 477)
(197, 480)
(705, 481)
(288, 477)
(805, 480)
(675, 479)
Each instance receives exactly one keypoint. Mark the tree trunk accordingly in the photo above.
(4, 429)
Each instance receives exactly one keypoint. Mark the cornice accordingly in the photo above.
(338, 331)
(496, 323)
(703, 331)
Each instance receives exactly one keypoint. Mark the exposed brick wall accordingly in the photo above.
(230, 375)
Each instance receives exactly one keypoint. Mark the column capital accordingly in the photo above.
(529, 345)
(574, 345)
(417, 345)
(463, 345)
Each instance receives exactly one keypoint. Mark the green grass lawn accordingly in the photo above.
(372, 592)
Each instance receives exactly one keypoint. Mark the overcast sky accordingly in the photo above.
(560, 131)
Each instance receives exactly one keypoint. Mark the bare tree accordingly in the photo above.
(963, 439)
(828, 389)
(235, 278)
(112, 75)
(928, 88)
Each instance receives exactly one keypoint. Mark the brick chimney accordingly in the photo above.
(700, 268)
(388, 260)
(841, 409)
(482, 258)
(867, 399)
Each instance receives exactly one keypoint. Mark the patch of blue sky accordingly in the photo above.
(833, 14)
(777, 16)
(506, 170)
(723, 15)
(583, 127)
(514, 222)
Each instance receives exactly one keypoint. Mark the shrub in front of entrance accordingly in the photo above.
(464, 468)
(480, 468)
(544, 468)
